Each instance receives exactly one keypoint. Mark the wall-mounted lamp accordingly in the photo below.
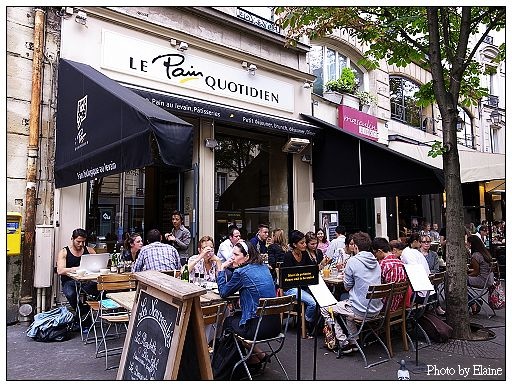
(212, 144)
(295, 145)
(308, 85)
(495, 117)
(180, 46)
(81, 18)
(250, 67)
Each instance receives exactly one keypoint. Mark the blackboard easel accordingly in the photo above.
(166, 338)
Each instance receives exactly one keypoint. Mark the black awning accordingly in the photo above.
(348, 167)
(104, 128)
(228, 114)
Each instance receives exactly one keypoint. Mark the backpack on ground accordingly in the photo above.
(53, 325)
(436, 329)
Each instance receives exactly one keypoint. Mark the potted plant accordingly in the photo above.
(366, 100)
(341, 90)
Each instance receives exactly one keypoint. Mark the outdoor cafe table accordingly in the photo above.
(336, 286)
(79, 280)
(127, 299)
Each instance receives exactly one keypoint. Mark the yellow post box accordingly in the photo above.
(13, 233)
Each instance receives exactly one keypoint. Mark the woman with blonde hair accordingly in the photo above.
(206, 262)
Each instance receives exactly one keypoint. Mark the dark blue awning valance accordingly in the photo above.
(103, 128)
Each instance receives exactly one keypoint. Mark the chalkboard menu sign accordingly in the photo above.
(166, 338)
(151, 337)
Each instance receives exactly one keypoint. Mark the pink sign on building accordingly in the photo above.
(354, 121)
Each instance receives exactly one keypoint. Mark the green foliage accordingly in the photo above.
(346, 83)
(401, 36)
(437, 149)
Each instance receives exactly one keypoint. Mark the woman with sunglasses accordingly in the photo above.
(430, 256)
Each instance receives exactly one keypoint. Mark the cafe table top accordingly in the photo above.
(85, 277)
(127, 299)
(333, 281)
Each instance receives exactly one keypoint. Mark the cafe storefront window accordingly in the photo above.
(115, 205)
(251, 183)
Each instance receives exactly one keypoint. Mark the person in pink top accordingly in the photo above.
(323, 243)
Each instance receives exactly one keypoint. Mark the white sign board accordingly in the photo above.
(165, 64)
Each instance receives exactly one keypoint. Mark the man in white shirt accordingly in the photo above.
(337, 245)
(226, 248)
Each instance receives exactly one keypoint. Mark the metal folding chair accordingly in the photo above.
(371, 324)
(414, 313)
(267, 307)
(480, 295)
(111, 315)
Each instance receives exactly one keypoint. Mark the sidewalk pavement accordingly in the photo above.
(454, 360)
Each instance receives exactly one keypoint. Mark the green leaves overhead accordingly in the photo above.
(401, 35)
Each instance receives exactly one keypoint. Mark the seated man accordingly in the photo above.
(392, 269)
(361, 271)
(156, 255)
(68, 261)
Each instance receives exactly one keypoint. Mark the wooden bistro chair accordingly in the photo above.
(267, 307)
(398, 316)
(371, 325)
(112, 315)
(437, 281)
(213, 315)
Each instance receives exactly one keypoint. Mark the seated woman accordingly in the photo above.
(323, 243)
(276, 251)
(206, 262)
(480, 267)
(313, 251)
(252, 279)
(298, 256)
(347, 253)
(431, 256)
(132, 245)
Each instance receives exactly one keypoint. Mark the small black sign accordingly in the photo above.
(150, 341)
(296, 276)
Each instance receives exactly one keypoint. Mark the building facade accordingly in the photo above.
(264, 137)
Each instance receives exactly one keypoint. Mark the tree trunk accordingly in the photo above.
(456, 264)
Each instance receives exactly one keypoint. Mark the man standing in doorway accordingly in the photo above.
(226, 248)
(260, 240)
(179, 237)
